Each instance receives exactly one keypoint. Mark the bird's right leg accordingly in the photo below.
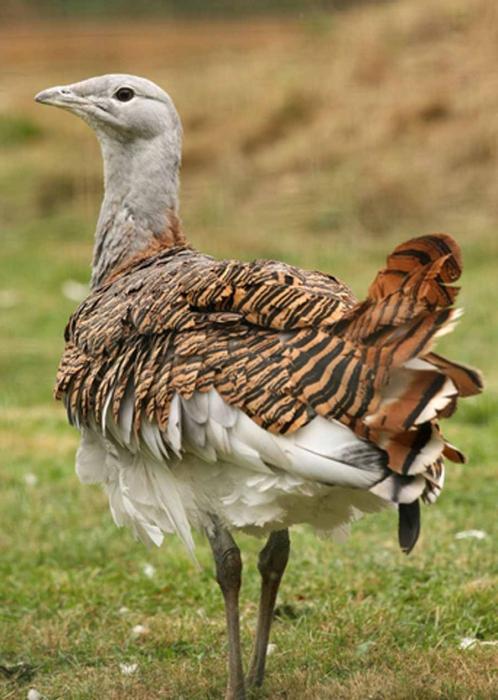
(229, 575)
(273, 559)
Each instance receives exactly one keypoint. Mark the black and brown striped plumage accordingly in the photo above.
(281, 344)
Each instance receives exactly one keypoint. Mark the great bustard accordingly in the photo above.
(223, 395)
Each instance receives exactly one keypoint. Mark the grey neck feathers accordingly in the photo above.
(138, 213)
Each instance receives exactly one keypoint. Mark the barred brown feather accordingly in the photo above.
(281, 344)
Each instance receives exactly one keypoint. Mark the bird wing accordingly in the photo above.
(181, 322)
(284, 346)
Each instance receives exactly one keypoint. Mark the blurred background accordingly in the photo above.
(321, 133)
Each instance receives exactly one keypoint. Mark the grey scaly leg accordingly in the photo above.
(228, 575)
(273, 559)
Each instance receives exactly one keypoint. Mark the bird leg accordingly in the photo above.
(273, 559)
(228, 575)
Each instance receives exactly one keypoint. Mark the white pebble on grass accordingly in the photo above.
(123, 610)
(30, 479)
(128, 669)
(471, 642)
(149, 570)
(467, 643)
(139, 631)
(33, 694)
(469, 534)
(271, 649)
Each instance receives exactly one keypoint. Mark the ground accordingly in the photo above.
(323, 141)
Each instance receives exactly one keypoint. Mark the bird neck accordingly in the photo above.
(138, 216)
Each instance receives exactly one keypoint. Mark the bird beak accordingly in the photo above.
(60, 96)
(78, 100)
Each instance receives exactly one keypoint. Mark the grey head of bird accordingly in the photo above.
(119, 107)
(140, 136)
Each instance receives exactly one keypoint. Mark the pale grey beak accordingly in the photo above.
(59, 96)
(93, 110)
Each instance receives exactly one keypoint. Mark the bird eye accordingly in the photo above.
(124, 94)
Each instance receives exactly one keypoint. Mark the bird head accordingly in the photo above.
(118, 107)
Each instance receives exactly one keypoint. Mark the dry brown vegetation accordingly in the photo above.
(364, 122)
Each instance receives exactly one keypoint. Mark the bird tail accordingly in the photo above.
(409, 305)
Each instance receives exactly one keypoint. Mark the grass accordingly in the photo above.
(322, 145)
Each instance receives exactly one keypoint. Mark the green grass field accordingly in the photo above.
(322, 142)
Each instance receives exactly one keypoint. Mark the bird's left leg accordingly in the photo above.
(229, 575)
(273, 559)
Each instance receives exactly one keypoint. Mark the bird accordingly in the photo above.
(226, 396)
